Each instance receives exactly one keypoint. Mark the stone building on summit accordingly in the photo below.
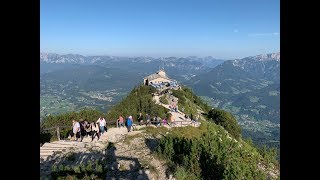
(157, 78)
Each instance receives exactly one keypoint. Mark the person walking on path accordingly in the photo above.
(120, 121)
(95, 131)
(140, 118)
(129, 123)
(102, 124)
(75, 130)
(172, 120)
(147, 119)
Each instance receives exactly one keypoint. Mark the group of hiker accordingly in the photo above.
(173, 106)
(81, 128)
(144, 120)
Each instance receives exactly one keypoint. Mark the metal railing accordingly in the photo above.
(59, 128)
(186, 123)
(175, 123)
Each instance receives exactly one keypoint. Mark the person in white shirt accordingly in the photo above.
(76, 130)
(102, 124)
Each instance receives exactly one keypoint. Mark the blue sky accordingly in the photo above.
(219, 28)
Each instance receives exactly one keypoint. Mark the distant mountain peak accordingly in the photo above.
(267, 57)
(252, 60)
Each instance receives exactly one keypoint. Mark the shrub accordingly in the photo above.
(84, 171)
(163, 100)
(61, 168)
(179, 94)
(186, 93)
(54, 168)
(45, 137)
(77, 169)
(182, 174)
(209, 154)
(68, 169)
(226, 120)
(89, 167)
(99, 168)
(139, 100)
(71, 156)
(82, 168)
(269, 155)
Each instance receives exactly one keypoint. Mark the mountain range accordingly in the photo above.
(181, 68)
(249, 88)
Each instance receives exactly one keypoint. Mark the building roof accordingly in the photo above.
(159, 74)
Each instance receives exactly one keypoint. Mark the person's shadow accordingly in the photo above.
(111, 167)
(135, 170)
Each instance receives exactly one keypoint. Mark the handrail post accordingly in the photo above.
(58, 133)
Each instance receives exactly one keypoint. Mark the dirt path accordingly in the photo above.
(132, 159)
(178, 116)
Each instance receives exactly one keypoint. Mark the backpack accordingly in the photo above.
(128, 122)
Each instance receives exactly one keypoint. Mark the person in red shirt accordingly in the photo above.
(120, 121)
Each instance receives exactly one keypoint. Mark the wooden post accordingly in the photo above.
(58, 133)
